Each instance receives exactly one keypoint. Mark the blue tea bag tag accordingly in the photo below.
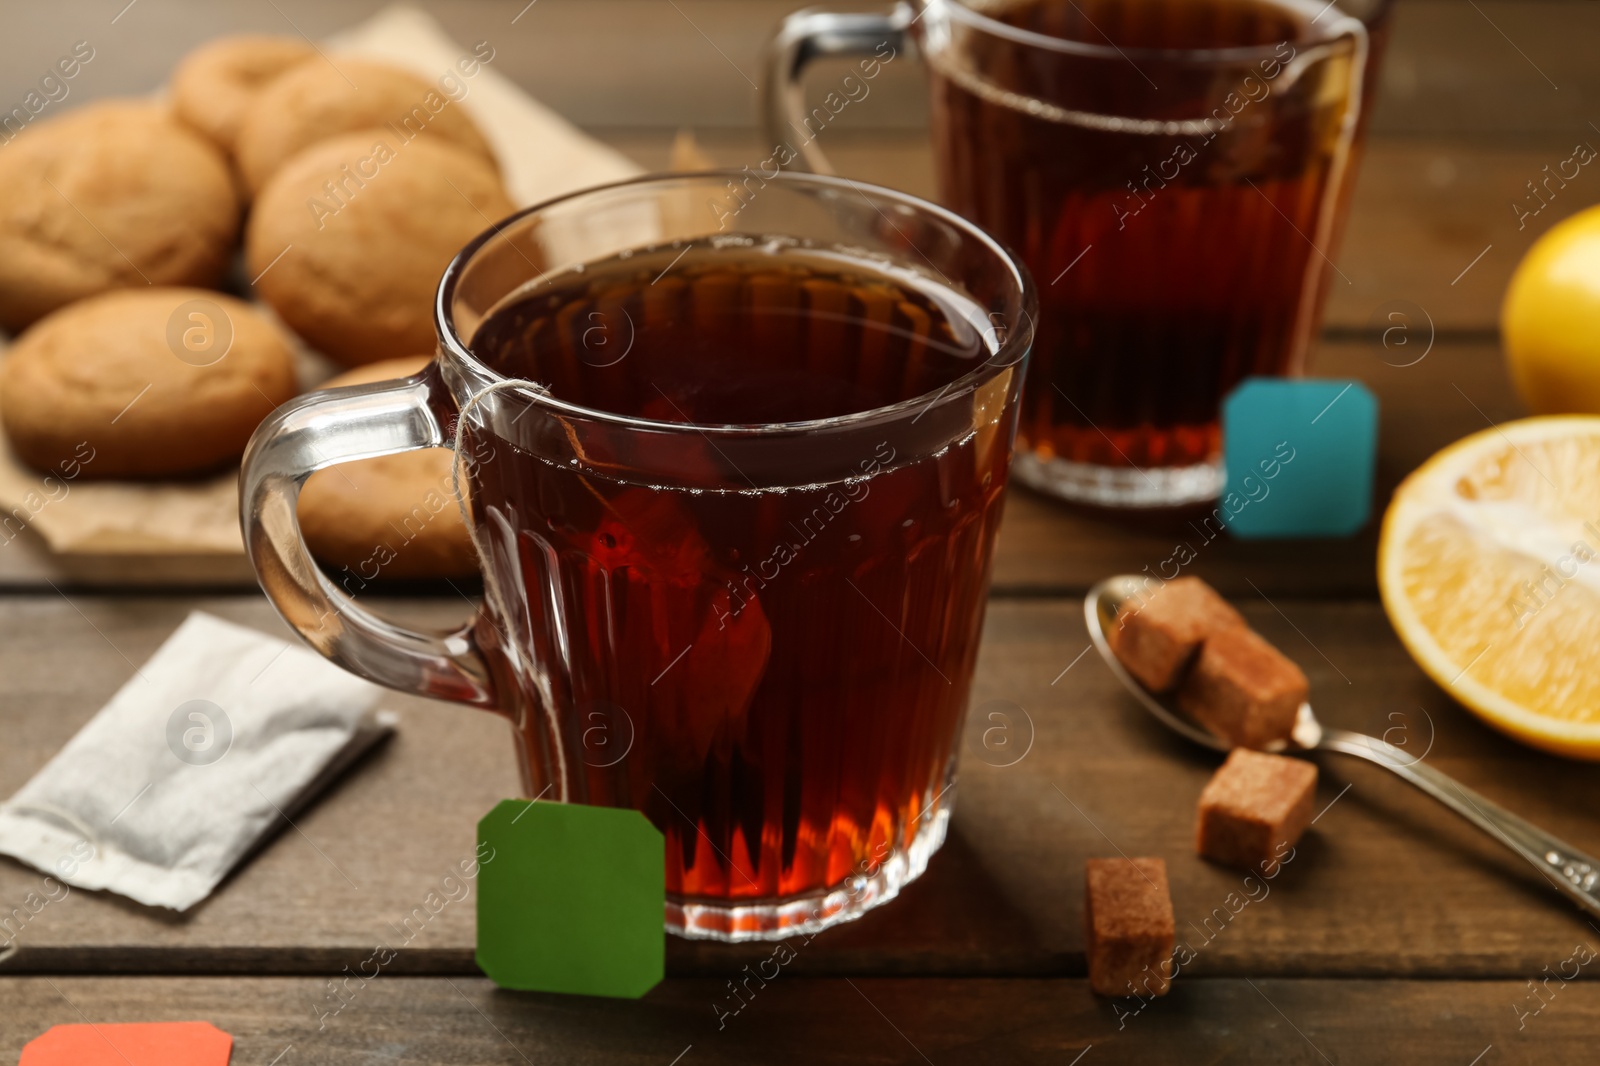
(1299, 456)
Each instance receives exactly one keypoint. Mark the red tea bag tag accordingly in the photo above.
(571, 899)
(142, 1044)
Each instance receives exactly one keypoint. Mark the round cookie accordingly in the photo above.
(143, 383)
(213, 85)
(322, 98)
(348, 240)
(108, 196)
(394, 516)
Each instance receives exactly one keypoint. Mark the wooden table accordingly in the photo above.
(1397, 935)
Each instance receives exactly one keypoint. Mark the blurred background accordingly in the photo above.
(1476, 96)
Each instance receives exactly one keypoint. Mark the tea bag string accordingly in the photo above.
(491, 589)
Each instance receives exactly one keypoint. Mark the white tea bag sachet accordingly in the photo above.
(213, 742)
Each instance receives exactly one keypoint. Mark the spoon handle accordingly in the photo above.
(1573, 873)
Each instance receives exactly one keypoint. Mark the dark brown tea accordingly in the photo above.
(776, 677)
(1175, 214)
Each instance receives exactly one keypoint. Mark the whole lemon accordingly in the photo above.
(1550, 323)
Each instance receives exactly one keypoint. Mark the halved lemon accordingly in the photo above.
(1489, 567)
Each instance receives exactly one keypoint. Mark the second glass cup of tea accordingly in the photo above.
(1172, 172)
(734, 467)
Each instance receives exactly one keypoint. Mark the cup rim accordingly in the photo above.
(962, 12)
(1016, 345)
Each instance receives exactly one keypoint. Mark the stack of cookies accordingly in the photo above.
(347, 185)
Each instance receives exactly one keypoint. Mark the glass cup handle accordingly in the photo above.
(802, 37)
(303, 436)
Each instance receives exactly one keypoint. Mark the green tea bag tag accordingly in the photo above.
(571, 899)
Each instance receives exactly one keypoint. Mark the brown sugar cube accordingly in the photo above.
(1243, 689)
(1157, 636)
(1131, 932)
(1253, 807)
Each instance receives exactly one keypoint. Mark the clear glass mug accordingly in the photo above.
(786, 705)
(1179, 202)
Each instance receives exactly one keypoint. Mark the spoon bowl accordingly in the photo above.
(1100, 610)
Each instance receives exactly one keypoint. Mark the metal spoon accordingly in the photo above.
(1573, 873)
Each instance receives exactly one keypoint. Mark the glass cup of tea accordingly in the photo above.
(733, 450)
(1173, 172)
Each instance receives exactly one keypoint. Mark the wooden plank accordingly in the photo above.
(1458, 387)
(1424, 212)
(1484, 69)
(1473, 68)
(1440, 227)
(1387, 882)
(28, 564)
(799, 1020)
